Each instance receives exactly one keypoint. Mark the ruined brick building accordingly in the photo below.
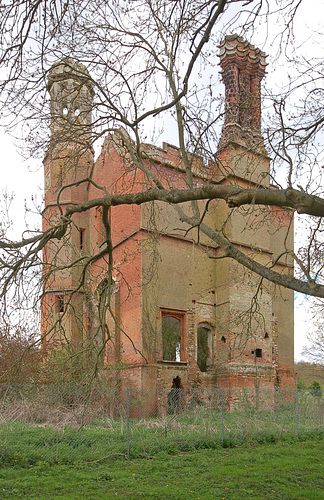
(177, 310)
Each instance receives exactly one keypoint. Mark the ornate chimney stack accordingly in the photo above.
(243, 67)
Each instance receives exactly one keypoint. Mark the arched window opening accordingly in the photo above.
(172, 336)
(204, 347)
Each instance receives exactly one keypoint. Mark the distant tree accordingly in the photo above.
(308, 372)
(315, 388)
(314, 350)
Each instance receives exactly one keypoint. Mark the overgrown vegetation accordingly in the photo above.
(75, 426)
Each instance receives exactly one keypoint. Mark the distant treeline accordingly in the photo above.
(308, 373)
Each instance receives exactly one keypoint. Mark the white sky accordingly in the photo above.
(25, 178)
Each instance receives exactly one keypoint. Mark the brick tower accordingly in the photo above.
(69, 159)
(260, 344)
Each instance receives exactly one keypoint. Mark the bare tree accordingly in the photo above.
(314, 350)
(150, 62)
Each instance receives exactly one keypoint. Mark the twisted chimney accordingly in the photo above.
(243, 67)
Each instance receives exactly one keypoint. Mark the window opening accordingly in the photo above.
(204, 347)
(266, 335)
(82, 235)
(172, 333)
(60, 303)
(60, 177)
(223, 339)
(258, 353)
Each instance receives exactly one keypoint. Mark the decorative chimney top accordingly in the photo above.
(243, 67)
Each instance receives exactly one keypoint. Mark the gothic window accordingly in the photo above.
(204, 347)
(173, 336)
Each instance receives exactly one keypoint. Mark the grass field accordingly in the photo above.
(175, 456)
(291, 469)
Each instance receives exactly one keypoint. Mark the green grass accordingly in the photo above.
(171, 457)
(285, 470)
(24, 444)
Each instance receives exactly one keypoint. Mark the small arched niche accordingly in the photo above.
(204, 346)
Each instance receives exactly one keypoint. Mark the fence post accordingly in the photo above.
(222, 418)
(297, 416)
(128, 423)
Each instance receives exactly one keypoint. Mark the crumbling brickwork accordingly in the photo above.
(225, 334)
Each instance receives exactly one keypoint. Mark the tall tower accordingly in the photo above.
(68, 161)
(258, 326)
